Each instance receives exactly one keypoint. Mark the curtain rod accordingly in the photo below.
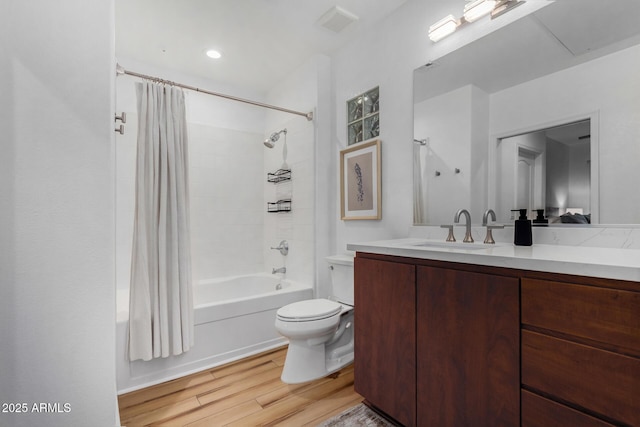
(121, 70)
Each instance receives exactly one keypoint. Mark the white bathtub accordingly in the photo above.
(234, 318)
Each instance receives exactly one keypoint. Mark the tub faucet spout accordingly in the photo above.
(282, 270)
(467, 219)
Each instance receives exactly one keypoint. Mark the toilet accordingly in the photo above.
(320, 331)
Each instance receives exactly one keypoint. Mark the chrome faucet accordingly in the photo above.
(279, 270)
(485, 217)
(467, 218)
(485, 223)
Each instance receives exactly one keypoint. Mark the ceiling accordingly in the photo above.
(563, 34)
(261, 41)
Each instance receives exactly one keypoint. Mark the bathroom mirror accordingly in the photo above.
(571, 61)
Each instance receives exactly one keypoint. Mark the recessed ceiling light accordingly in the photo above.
(212, 53)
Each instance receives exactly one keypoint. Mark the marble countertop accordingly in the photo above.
(623, 264)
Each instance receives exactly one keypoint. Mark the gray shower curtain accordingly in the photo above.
(161, 303)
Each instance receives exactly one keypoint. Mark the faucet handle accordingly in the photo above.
(450, 237)
(283, 247)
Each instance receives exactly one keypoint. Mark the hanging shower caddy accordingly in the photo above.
(283, 205)
(279, 176)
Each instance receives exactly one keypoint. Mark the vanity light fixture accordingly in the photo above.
(443, 28)
(505, 6)
(473, 10)
(476, 9)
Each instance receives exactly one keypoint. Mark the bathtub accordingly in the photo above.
(234, 318)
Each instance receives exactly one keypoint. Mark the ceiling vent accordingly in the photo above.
(336, 19)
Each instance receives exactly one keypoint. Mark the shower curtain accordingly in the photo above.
(161, 304)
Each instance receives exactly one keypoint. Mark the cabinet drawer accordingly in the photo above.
(600, 381)
(606, 315)
(540, 412)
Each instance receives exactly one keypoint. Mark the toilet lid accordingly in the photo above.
(313, 309)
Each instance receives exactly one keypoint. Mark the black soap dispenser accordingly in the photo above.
(540, 220)
(522, 235)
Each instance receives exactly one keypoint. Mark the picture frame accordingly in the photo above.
(360, 181)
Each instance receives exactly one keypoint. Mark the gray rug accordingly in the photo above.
(357, 416)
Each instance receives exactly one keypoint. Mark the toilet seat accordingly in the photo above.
(309, 310)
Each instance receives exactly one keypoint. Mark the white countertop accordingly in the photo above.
(623, 264)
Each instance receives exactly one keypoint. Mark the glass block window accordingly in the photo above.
(363, 116)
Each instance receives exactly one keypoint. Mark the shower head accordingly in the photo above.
(271, 141)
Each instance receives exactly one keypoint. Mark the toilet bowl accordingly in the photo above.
(320, 331)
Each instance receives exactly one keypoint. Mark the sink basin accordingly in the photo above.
(454, 245)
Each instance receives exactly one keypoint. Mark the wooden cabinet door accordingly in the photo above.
(385, 346)
(468, 331)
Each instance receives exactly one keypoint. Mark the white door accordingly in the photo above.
(526, 180)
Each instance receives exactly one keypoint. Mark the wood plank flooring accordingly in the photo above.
(244, 393)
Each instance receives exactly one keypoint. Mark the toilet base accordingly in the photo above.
(307, 362)
(304, 364)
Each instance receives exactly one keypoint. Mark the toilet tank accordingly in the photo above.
(341, 286)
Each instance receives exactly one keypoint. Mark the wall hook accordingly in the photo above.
(122, 117)
(120, 129)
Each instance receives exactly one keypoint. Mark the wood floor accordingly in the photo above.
(244, 393)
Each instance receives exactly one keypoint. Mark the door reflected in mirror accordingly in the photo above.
(546, 169)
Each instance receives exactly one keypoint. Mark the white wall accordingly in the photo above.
(579, 176)
(608, 86)
(454, 123)
(226, 201)
(301, 91)
(557, 184)
(386, 57)
(57, 294)
(446, 121)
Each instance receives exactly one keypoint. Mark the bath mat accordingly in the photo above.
(358, 416)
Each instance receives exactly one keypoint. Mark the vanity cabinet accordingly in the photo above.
(437, 346)
(439, 343)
